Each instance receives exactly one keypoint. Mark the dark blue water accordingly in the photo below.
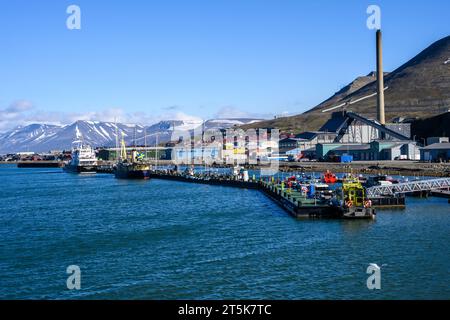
(166, 240)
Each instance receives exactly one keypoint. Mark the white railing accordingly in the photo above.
(406, 187)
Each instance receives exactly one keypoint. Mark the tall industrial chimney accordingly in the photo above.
(380, 80)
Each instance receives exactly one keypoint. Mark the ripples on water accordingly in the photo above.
(167, 240)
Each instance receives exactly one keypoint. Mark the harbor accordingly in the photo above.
(216, 152)
(346, 195)
(297, 198)
(170, 231)
(301, 195)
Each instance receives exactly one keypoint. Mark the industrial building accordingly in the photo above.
(436, 152)
(375, 150)
(354, 136)
(351, 128)
(305, 140)
(112, 154)
(432, 140)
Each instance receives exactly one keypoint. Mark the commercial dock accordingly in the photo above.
(376, 141)
(302, 205)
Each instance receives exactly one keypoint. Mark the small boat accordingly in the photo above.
(83, 160)
(329, 177)
(353, 201)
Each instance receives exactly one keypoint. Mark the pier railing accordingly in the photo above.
(407, 187)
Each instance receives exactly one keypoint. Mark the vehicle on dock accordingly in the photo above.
(83, 160)
(352, 200)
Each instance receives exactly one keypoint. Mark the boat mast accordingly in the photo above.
(123, 150)
(203, 145)
(117, 139)
(156, 151)
(145, 141)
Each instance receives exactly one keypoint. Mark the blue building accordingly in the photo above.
(436, 152)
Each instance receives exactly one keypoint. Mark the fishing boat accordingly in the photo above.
(352, 200)
(132, 167)
(83, 160)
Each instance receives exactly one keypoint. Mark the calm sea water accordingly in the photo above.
(169, 240)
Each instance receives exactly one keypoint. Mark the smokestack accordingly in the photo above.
(380, 80)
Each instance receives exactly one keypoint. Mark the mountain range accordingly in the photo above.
(420, 88)
(44, 137)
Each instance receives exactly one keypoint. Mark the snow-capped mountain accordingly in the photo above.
(21, 138)
(228, 123)
(43, 137)
(163, 131)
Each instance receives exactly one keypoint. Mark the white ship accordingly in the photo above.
(83, 160)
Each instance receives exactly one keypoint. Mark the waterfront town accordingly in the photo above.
(357, 143)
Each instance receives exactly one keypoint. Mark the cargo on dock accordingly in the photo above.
(298, 205)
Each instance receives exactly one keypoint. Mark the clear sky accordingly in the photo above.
(149, 60)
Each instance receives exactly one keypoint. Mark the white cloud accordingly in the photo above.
(230, 112)
(19, 106)
(22, 112)
(12, 115)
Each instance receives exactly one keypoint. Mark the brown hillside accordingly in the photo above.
(419, 88)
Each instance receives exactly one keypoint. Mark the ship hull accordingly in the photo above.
(359, 213)
(132, 174)
(80, 169)
(132, 171)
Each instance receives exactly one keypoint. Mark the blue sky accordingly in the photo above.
(150, 60)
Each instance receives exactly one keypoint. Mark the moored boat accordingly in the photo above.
(132, 170)
(353, 201)
(83, 160)
(131, 167)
